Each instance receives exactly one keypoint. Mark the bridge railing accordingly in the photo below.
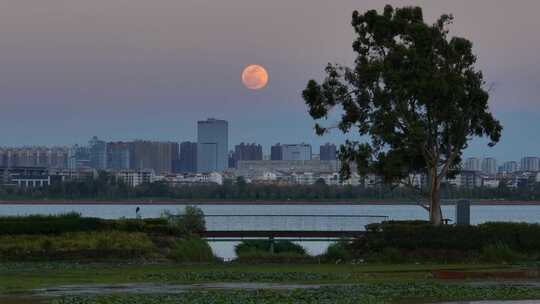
(290, 222)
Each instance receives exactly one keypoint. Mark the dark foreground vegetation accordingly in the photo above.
(106, 187)
(72, 237)
(394, 262)
(176, 238)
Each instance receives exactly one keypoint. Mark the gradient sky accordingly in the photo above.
(127, 69)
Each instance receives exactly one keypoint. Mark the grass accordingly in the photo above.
(358, 294)
(359, 284)
(21, 277)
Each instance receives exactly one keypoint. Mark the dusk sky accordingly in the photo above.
(139, 69)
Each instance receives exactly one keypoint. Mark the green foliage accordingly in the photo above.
(191, 221)
(358, 294)
(251, 246)
(338, 251)
(109, 244)
(192, 249)
(499, 253)
(413, 93)
(73, 222)
(259, 251)
(497, 242)
(264, 192)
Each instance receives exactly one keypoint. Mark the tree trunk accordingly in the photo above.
(435, 213)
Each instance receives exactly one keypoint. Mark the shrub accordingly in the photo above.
(389, 255)
(418, 240)
(76, 245)
(192, 249)
(263, 246)
(499, 253)
(191, 221)
(259, 257)
(338, 251)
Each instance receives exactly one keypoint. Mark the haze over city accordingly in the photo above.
(125, 70)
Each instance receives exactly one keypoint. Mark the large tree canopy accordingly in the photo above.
(413, 95)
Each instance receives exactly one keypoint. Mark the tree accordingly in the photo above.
(413, 95)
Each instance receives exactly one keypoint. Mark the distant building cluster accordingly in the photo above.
(210, 160)
(486, 172)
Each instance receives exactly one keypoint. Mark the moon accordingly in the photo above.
(254, 77)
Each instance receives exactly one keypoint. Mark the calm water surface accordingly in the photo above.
(479, 214)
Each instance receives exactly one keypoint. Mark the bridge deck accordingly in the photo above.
(280, 234)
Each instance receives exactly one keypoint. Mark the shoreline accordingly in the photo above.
(219, 202)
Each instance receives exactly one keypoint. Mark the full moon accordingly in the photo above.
(254, 77)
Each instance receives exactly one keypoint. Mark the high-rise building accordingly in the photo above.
(489, 166)
(276, 152)
(155, 155)
(79, 157)
(328, 151)
(472, 164)
(212, 145)
(296, 152)
(509, 167)
(98, 153)
(188, 157)
(246, 152)
(118, 157)
(531, 164)
(53, 157)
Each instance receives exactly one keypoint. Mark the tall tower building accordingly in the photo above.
(276, 152)
(188, 157)
(212, 145)
(118, 157)
(98, 153)
(328, 151)
(155, 155)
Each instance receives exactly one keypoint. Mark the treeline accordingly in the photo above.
(106, 187)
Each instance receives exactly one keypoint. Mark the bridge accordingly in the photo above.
(295, 227)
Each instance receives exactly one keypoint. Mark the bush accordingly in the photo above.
(192, 249)
(113, 244)
(73, 222)
(191, 221)
(418, 240)
(499, 253)
(260, 257)
(48, 224)
(263, 246)
(338, 251)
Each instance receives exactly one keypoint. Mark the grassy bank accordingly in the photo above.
(359, 294)
(370, 284)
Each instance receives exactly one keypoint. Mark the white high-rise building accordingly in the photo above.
(489, 166)
(531, 164)
(472, 164)
(212, 145)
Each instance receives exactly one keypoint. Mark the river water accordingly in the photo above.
(479, 214)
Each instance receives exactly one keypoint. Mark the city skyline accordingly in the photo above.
(101, 68)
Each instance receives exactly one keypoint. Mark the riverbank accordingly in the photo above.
(253, 202)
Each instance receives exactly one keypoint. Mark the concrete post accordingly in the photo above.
(463, 213)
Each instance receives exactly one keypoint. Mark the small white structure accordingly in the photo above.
(134, 178)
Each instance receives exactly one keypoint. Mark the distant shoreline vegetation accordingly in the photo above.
(106, 188)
